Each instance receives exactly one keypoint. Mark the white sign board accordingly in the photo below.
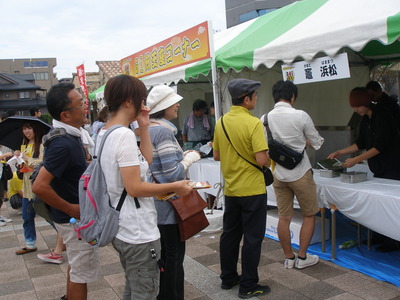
(320, 69)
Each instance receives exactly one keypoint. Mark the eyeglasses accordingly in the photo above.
(72, 108)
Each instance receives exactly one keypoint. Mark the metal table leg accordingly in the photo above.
(323, 242)
(333, 225)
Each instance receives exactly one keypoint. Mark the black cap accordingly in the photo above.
(240, 87)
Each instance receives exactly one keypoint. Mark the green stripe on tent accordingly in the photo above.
(92, 95)
(202, 67)
(393, 24)
(255, 36)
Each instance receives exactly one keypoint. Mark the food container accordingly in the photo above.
(330, 168)
(329, 173)
(353, 177)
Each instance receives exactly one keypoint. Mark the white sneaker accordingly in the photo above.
(289, 263)
(308, 262)
(2, 223)
(4, 219)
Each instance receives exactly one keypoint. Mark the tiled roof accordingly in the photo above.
(13, 83)
(110, 68)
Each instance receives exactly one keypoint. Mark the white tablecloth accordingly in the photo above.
(374, 203)
(206, 169)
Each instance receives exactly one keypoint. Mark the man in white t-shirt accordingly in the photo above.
(295, 129)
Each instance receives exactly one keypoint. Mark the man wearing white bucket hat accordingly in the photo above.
(170, 164)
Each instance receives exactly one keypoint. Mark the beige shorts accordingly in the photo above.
(83, 258)
(305, 191)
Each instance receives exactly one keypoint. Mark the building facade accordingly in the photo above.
(18, 92)
(40, 68)
(239, 11)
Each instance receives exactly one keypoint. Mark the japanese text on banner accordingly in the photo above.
(82, 81)
(320, 69)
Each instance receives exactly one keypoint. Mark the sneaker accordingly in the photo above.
(225, 286)
(308, 262)
(4, 219)
(2, 223)
(257, 291)
(51, 258)
(289, 263)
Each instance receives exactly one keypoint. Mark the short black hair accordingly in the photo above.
(57, 99)
(374, 85)
(33, 109)
(284, 90)
(239, 101)
(199, 105)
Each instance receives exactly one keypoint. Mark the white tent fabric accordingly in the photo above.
(305, 29)
(336, 24)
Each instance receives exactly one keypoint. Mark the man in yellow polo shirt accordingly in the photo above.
(245, 191)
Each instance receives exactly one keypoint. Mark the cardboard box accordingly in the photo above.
(295, 225)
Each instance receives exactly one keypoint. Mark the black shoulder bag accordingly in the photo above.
(268, 177)
(281, 154)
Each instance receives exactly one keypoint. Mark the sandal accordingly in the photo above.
(25, 250)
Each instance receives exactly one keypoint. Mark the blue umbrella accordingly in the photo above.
(11, 130)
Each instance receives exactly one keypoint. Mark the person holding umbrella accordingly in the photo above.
(32, 153)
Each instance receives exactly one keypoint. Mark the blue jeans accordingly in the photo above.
(28, 215)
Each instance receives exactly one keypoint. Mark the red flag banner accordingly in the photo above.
(82, 81)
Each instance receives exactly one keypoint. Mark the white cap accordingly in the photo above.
(162, 97)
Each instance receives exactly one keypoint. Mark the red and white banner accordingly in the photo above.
(82, 81)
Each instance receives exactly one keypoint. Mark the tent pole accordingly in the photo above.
(214, 78)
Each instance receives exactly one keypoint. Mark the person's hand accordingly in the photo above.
(25, 157)
(335, 154)
(74, 211)
(350, 162)
(183, 188)
(188, 151)
(143, 117)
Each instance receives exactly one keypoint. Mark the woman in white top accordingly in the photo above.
(125, 166)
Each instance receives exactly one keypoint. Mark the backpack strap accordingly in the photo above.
(227, 136)
(55, 133)
(124, 192)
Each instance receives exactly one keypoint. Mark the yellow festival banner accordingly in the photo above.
(186, 47)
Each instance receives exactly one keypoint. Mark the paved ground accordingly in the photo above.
(26, 277)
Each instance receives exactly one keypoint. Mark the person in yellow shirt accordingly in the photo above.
(32, 153)
(245, 193)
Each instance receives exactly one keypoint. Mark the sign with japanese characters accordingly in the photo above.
(82, 81)
(186, 47)
(320, 69)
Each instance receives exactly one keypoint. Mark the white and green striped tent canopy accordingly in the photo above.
(302, 31)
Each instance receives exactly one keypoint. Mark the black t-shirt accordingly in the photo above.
(388, 104)
(65, 159)
(380, 131)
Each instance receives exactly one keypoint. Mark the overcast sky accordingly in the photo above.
(87, 31)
